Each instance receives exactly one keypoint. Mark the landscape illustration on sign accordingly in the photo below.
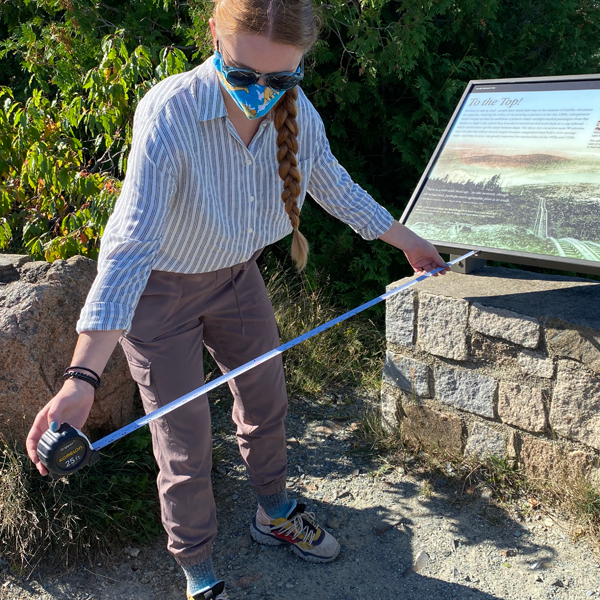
(519, 171)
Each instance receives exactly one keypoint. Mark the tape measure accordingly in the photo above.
(68, 450)
(65, 451)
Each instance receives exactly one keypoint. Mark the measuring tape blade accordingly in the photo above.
(167, 408)
(51, 444)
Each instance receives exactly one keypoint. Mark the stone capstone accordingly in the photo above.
(522, 406)
(575, 410)
(537, 365)
(505, 324)
(485, 441)
(400, 317)
(406, 373)
(466, 390)
(569, 342)
(442, 326)
(431, 429)
(38, 314)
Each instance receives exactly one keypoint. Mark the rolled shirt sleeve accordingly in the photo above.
(134, 231)
(332, 187)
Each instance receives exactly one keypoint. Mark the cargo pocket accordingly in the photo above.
(141, 373)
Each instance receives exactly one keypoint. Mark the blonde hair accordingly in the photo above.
(290, 22)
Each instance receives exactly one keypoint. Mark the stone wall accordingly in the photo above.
(498, 362)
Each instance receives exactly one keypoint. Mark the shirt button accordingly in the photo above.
(251, 198)
(250, 230)
(248, 161)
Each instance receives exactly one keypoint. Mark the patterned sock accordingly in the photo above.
(200, 576)
(277, 505)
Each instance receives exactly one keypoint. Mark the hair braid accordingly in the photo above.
(287, 129)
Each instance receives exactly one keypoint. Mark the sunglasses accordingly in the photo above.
(278, 81)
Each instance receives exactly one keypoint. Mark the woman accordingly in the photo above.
(177, 269)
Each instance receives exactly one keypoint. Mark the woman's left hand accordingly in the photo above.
(421, 254)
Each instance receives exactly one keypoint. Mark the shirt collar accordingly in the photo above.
(209, 98)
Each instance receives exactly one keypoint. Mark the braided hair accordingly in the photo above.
(287, 129)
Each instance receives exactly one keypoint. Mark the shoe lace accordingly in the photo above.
(296, 527)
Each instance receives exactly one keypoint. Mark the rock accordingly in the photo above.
(485, 441)
(406, 373)
(442, 326)
(400, 316)
(420, 561)
(9, 264)
(431, 429)
(466, 390)
(575, 410)
(537, 457)
(293, 442)
(329, 427)
(505, 324)
(567, 341)
(558, 583)
(234, 496)
(38, 314)
(134, 552)
(355, 472)
(390, 396)
(492, 351)
(333, 523)
(537, 365)
(522, 406)
(243, 583)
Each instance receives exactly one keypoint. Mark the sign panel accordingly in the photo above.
(517, 174)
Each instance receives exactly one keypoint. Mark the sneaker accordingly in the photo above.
(216, 592)
(299, 531)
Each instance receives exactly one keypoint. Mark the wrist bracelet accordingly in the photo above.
(76, 375)
(84, 369)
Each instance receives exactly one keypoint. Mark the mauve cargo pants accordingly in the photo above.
(229, 310)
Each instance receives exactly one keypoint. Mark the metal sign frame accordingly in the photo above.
(500, 254)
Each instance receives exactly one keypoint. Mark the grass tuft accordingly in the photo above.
(349, 354)
(85, 514)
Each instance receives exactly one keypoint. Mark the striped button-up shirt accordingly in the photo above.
(196, 199)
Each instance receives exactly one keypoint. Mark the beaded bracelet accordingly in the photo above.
(70, 374)
(75, 375)
(84, 369)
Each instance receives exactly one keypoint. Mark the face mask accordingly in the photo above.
(255, 100)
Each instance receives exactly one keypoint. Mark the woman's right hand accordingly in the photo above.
(71, 405)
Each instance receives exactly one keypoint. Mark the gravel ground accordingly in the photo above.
(403, 536)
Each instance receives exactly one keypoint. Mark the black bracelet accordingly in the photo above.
(84, 369)
(76, 375)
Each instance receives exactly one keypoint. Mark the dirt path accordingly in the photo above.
(385, 517)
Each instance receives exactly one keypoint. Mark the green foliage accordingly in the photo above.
(385, 76)
(350, 353)
(112, 502)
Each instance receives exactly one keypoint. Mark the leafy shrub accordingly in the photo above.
(385, 76)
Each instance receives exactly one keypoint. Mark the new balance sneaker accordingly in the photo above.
(216, 592)
(299, 531)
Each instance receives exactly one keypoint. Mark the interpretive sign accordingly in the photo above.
(517, 174)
